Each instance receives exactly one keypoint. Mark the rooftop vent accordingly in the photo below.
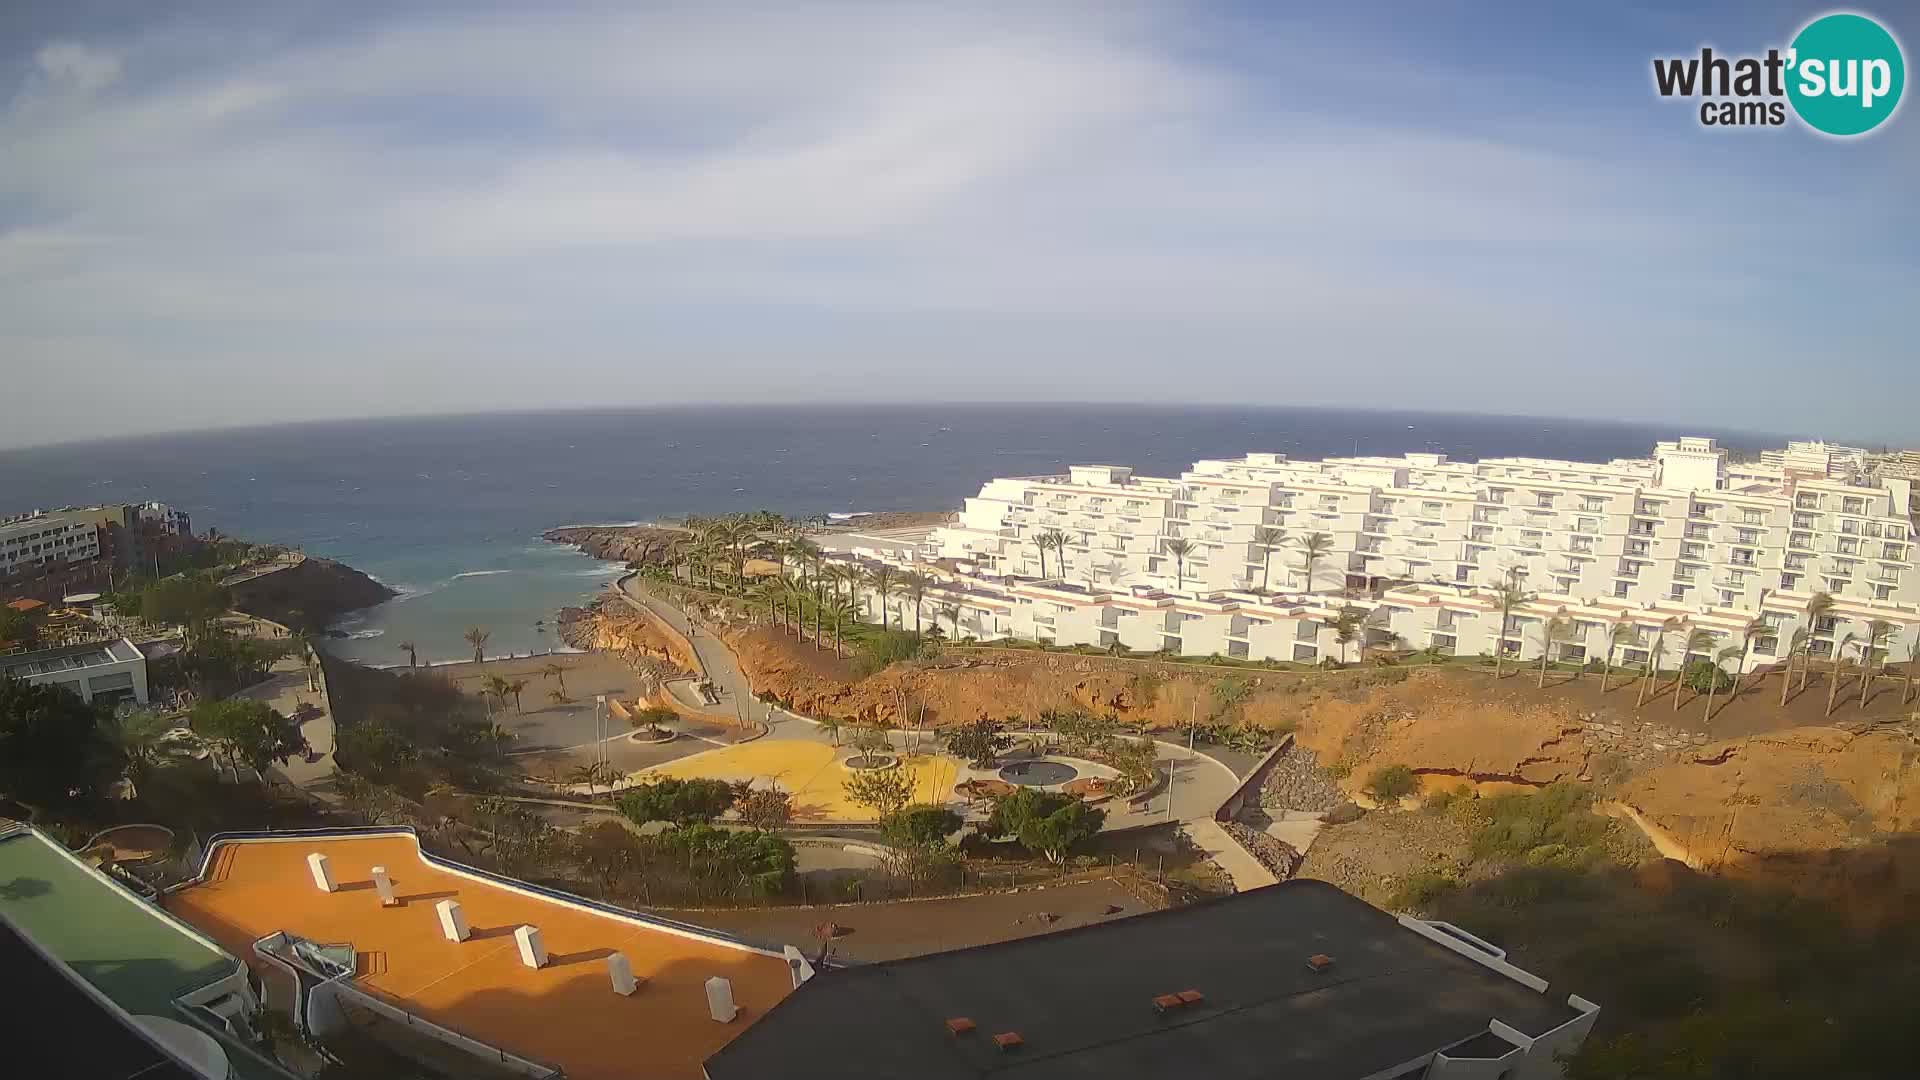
(960, 1025)
(1009, 1040)
(1191, 997)
(1167, 1002)
(1319, 962)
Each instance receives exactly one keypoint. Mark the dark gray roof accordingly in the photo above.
(57, 1029)
(1082, 1000)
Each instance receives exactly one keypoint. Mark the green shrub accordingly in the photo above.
(1554, 827)
(682, 802)
(1390, 782)
(1701, 674)
(920, 825)
(1418, 891)
(883, 648)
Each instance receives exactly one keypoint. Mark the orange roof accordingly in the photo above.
(27, 605)
(564, 1014)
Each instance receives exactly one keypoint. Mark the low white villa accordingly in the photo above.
(1258, 557)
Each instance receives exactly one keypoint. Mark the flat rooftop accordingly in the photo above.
(564, 1014)
(69, 658)
(63, 1030)
(1082, 1000)
(127, 948)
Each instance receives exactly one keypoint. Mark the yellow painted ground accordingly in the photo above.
(811, 771)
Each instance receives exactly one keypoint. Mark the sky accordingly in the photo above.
(214, 214)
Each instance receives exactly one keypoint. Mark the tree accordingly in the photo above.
(914, 587)
(951, 613)
(591, 774)
(517, 687)
(831, 725)
(768, 809)
(1313, 548)
(1877, 631)
(248, 732)
(1736, 653)
(48, 740)
(979, 743)
(15, 627)
(872, 739)
(650, 717)
(881, 790)
(477, 638)
(187, 600)
(1839, 657)
(1346, 626)
(1057, 540)
(133, 740)
(681, 802)
(1818, 605)
(1699, 641)
(1653, 657)
(498, 688)
(1797, 647)
(1044, 822)
(1552, 630)
(372, 748)
(1756, 628)
(762, 861)
(413, 654)
(920, 825)
(1507, 597)
(881, 578)
(1619, 632)
(1392, 782)
(1267, 540)
(1178, 547)
(558, 673)
(1041, 544)
(1907, 670)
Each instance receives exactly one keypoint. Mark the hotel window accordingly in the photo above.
(1679, 592)
(1882, 592)
(1748, 536)
(1543, 498)
(1789, 581)
(1807, 501)
(1835, 584)
(1800, 540)
(1597, 503)
(1432, 508)
(1893, 551)
(1753, 517)
(1847, 546)
(1853, 506)
(1699, 532)
(1691, 551)
(1805, 521)
(1826, 624)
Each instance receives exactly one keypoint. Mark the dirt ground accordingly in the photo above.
(541, 724)
(887, 931)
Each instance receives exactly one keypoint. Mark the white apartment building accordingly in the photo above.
(37, 539)
(1417, 543)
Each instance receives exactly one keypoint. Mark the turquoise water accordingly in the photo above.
(449, 510)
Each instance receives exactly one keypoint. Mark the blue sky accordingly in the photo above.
(215, 214)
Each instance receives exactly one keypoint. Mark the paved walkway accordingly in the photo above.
(284, 690)
(1227, 854)
(716, 660)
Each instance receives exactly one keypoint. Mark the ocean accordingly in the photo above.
(449, 510)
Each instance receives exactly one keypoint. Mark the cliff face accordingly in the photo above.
(621, 543)
(309, 596)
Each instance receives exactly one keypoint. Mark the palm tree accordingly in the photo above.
(951, 613)
(501, 736)
(1699, 641)
(477, 638)
(1653, 657)
(841, 610)
(1797, 646)
(1619, 632)
(1346, 626)
(1839, 650)
(591, 774)
(1267, 540)
(559, 697)
(914, 586)
(1757, 627)
(1041, 543)
(1178, 547)
(496, 687)
(1552, 629)
(413, 655)
(1056, 540)
(806, 553)
(558, 674)
(1507, 597)
(1818, 605)
(1913, 661)
(516, 688)
(1877, 632)
(134, 739)
(882, 579)
(1313, 548)
(1731, 652)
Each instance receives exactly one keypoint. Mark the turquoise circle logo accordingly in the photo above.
(1845, 74)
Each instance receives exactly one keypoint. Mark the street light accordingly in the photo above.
(599, 731)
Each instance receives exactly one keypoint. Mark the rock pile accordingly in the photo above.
(1297, 782)
(1274, 854)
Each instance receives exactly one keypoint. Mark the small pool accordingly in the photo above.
(1038, 773)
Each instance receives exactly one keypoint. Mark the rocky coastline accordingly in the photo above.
(631, 544)
(309, 596)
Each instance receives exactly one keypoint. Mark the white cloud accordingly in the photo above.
(699, 197)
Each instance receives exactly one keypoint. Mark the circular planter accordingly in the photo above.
(651, 737)
(1038, 773)
(864, 763)
(134, 843)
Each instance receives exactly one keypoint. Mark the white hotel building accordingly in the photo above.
(1683, 538)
